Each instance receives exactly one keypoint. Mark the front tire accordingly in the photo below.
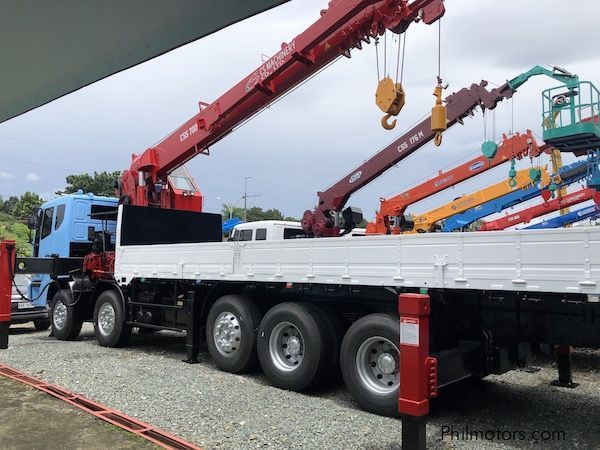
(109, 320)
(296, 346)
(370, 362)
(231, 333)
(65, 321)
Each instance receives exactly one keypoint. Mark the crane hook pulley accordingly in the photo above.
(390, 98)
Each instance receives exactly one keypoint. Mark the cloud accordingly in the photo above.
(32, 176)
(5, 176)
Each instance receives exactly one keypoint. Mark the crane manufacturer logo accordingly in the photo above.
(270, 65)
(355, 177)
(475, 166)
(411, 140)
(187, 133)
(443, 181)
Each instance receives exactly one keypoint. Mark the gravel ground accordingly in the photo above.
(219, 410)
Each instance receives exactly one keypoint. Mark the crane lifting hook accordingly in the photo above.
(390, 98)
(438, 114)
(388, 125)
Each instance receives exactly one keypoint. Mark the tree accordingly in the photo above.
(10, 228)
(256, 213)
(28, 203)
(9, 205)
(102, 183)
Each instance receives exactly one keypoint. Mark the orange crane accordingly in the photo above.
(517, 146)
(426, 222)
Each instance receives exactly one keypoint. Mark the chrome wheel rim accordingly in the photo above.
(59, 315)
(227, 333)
(106, 319)
(286, 346)
(378, 365)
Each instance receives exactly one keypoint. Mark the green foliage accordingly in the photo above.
(257, 213)
(26, 205)
(102, 183)
(11, 228)
(21, 207)
(8, 206)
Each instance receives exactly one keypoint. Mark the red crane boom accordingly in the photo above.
(346, 24)
(526, 215)
(325, 221)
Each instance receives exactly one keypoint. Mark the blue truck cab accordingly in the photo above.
(62, 228)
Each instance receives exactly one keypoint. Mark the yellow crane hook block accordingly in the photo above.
(439, 122)
(390, 98)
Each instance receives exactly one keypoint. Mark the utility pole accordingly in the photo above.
(245, 197)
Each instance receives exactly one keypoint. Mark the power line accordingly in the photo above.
(30, 163)
(55, 147)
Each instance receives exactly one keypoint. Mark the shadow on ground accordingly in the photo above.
(30, 419)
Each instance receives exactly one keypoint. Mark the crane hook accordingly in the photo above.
(437, 140)
(388, 125)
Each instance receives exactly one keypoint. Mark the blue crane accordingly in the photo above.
(589, 212)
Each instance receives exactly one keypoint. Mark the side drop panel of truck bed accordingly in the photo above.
(560, 261)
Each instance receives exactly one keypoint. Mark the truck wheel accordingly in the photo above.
(231, 333)
(41, 324)
(296, 346)
(109, 320)
(66, 324)
(370, 363)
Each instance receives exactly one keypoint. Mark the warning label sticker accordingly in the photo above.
(409, 331)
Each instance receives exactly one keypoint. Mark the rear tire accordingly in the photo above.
(64, 319)
(109, 320)
(41, 324)
(370, 362)
(231, 333)
(296, 346)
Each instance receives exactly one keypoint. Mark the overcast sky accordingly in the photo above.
(322, 130)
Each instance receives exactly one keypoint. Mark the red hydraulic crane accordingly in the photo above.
(344, 25)
(516, 146)
(325, 219)
(526, 215)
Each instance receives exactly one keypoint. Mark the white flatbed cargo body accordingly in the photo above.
(558, 261)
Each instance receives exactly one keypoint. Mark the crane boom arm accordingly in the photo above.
(346, 24)
(526, 215)
(425, 222)
(565, 176)
(590, 212)
(322, 221)
(516, 146)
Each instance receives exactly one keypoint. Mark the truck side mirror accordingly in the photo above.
(91, 233)
(31, 221)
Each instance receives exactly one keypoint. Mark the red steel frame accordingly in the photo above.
(517, 146)
(100, 411)
(344, 25)
(418, 370)
(7, 260)
(526, 215)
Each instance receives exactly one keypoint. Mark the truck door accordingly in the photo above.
(45, 247)
(37, 233)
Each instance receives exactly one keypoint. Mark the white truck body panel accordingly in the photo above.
(561, 261)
